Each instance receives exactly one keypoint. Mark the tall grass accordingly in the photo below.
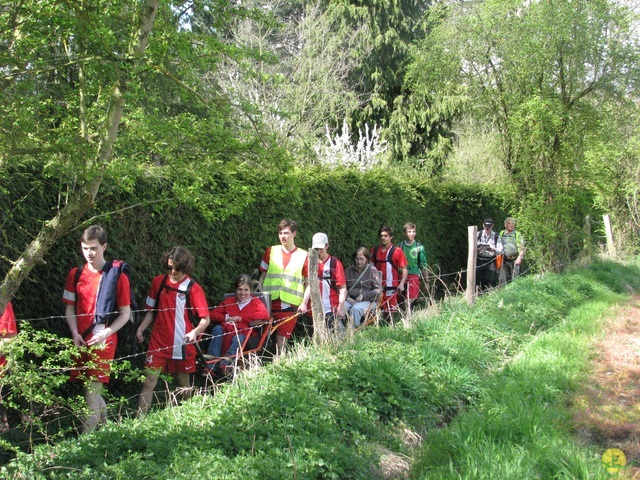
(474, 392)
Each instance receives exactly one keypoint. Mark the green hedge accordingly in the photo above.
(229, 237)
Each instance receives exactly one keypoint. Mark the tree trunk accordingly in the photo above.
(83, 200)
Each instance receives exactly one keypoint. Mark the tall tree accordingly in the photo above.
(73, 74)
(540, 74)
(391, 29)
(298, 80)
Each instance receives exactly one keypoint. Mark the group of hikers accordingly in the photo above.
(98, 301)
(499, 255)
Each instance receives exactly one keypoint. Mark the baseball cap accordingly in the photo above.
(319, 240)
(488, 221)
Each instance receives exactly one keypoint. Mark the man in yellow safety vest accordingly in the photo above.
(284, 271)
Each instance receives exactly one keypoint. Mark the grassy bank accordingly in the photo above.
(472, 392)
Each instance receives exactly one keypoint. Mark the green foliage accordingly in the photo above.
(543, 75)
(229, 233)
(332, 412)
(36, 390)
(520, 426)
(390, 28)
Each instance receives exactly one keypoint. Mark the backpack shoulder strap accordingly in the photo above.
(77, 277)
(187, 292)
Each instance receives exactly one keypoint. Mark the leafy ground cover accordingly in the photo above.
(468, 392)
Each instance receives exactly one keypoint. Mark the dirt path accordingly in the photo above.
(608, 407)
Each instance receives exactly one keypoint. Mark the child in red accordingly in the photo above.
(94, 366)
(392, 263)
(233, 318)
(173, 300)
(333, 286)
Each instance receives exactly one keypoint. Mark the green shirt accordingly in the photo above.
(416, 257)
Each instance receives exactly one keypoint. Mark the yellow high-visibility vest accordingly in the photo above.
(287, 284)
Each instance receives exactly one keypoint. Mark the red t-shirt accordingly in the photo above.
(251, 311)
(7, 327)
(172, 319)
(331, 277)
(84, 298)
(389, 268)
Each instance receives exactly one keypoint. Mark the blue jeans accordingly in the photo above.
(215, 346)
(356, 311)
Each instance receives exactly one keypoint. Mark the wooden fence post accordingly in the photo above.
(320, 334)
(611, 249)
(471, 264)
(586, 243)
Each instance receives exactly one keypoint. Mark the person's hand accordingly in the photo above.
(100, 337)
(191, 337)
(302, 308)
(518, 260)
(140, 335)
(78, 341)
(340, 312)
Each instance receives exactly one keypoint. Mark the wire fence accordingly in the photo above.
(121, 408)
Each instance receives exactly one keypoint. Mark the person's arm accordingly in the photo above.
(342, 297)
(72, 321)
(404, 272)
(304, 305)
(199, 301)
(117, 324)
(521, 251)
(375, 281)
(193, 335)
(148, 319)
(218, 314)
(261, 280)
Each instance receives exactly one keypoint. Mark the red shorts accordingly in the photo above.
(95, 365)
(389, 302)
(413, 286)
(171, 365)
(286, 329)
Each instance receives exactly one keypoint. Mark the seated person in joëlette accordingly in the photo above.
(364, 285)
(232, 319)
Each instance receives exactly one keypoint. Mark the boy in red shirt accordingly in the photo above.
(333, 286)
(94, 365)
(174, 298)
(392, 263)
